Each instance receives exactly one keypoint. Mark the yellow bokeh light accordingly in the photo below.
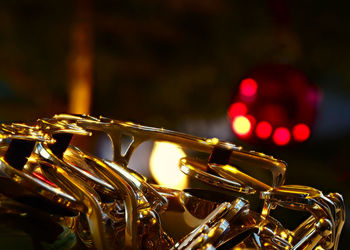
(241, 125)
(164, 165)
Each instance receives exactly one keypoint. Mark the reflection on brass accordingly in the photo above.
(88, 202)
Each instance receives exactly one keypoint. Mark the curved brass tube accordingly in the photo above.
(86, 196)
(122, 207)
(235, 155)
(323, 208)
(75, 196)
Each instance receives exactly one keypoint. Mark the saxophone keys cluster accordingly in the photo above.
(84, 201)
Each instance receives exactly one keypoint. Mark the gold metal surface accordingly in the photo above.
(103, 204)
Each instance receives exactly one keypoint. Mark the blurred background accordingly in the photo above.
(272, 76)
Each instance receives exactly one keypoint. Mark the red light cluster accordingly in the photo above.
(243, 124)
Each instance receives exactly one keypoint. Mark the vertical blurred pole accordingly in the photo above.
(80, 85)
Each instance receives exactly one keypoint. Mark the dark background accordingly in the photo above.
(169, 63)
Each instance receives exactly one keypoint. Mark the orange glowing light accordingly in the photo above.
(237, 108)
(263, 130)
(281, 136)
(248, 87)
(81, 64)
(241, 125)
(301, 132)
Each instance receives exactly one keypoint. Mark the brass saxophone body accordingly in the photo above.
(84, 201)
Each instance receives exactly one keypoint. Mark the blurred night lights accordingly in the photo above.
(241, 125)
(277, 102)
(263, 130)
(237, 108)
(281, 136)
(301, 132)
(248, 87)
(164, 165)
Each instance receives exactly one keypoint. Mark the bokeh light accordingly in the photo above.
(263, 130)
(281, 136)
(164, 165)
(301, 132)
(237, 108)
(248, 87)
(241, 125)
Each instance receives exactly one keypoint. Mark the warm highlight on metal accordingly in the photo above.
(91, 202)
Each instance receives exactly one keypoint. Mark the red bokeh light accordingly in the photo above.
(281, 136)
(241, 125)
(237, 108)
(263, 130)
(248, 87)
(301, 132)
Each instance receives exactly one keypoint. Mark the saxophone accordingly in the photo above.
(62, 197)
